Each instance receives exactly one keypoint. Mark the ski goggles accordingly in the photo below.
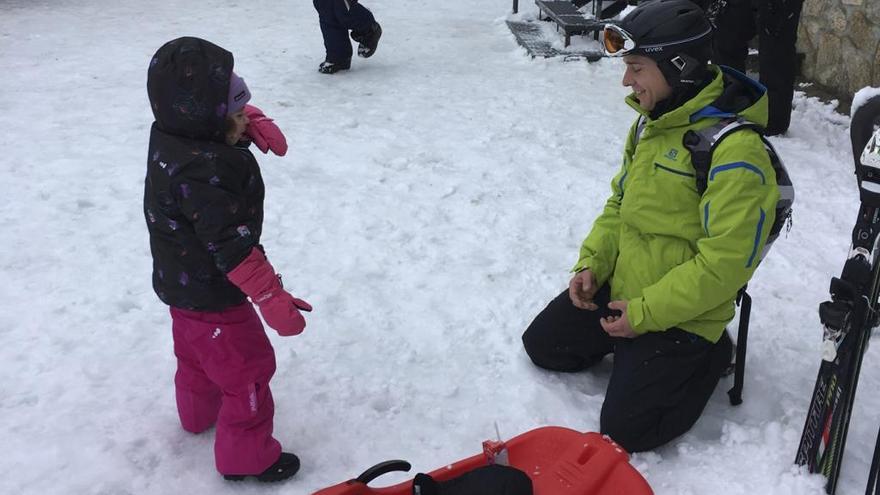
(616, 41)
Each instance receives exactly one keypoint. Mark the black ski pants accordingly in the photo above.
(337, 17)
(776, 23)
(660, 381)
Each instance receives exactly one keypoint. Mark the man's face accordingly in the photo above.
(646, 81)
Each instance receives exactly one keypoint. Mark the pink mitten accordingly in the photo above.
(256, 278)
(263, 132)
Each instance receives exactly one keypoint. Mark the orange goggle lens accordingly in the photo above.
(616, 42)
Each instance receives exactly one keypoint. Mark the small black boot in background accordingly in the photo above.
(367, 42)
(328, 67)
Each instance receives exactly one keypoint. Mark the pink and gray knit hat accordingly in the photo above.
(239, 94)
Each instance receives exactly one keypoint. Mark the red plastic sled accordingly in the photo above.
(560, 461)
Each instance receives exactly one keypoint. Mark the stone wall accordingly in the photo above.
(841, 43)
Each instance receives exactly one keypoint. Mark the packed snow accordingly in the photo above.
(432, 203)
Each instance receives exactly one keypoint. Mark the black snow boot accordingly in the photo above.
(367, 42)
(286, 466)
(328, 67)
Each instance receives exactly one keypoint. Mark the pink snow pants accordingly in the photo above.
(224, 364)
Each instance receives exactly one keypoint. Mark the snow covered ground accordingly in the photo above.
(433, 202)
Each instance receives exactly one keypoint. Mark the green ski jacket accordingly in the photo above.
(676, 256)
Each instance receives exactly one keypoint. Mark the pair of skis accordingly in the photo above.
(849, 318)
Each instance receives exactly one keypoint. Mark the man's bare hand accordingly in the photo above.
(618, 326)
(582, 288)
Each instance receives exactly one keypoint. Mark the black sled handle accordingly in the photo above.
(383, 468)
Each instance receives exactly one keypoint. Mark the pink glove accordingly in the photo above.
(263, 132)
(256, 278)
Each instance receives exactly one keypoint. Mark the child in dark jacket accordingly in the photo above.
(337, 18)
(203, 202)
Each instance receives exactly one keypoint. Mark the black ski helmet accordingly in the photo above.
(674, 33)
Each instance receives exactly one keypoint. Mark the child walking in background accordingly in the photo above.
(337, 17)
(203, 203)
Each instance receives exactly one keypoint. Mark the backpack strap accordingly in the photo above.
(702, 144)
(701, 157)
(640, 127)
(744, 301)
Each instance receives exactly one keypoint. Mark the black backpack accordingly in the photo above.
(701, 145)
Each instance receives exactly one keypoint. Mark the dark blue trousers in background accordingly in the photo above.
(337, 18)
(776, 24)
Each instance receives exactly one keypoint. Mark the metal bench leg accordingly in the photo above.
(567, 39)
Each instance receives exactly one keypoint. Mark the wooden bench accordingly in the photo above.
(567, 18)
(571, 21)
(600, 11)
